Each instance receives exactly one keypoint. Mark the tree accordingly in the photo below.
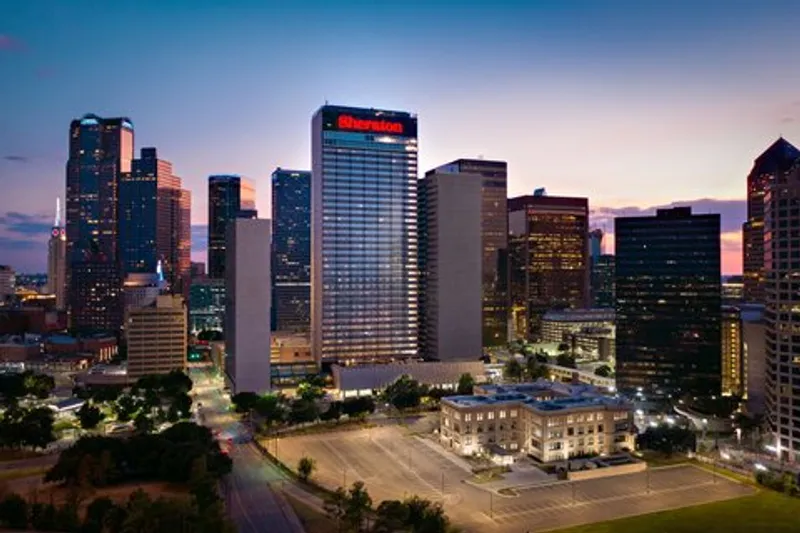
(37, 427)
(404, 393)
(667, 439)
(512, 370)
(359, 504)
(269, 407)
(334, 412)
(43, 517)
(534, 369)
(38, 385)
(306, 467)
(210, 335)
(603, 371)
(358, 407)
(125, 408)
(565, 360)
(143, 423)
(14, 512)
(182, 405)
(391, 516)
(312, 388)
(465, 384)
(336, 506)
(101, 515)
(244, 402)
(89, 416)
(563, 347)
(302, 410)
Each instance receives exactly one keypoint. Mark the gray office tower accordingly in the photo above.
(450, 256)
(291, 250)
(365, 278)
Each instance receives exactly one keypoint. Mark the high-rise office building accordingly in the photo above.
(494, 243)
(450, 263)
(57, 261)
(100, 150)
(733, 364)
(247, 305)
(549, 257)
(782, 311)
(291, 250)
(668, 301)
(595, 244)
(602, 281)
(228, 197)
(154, 214)
(364, 287)
(776, 160)
(156, 336)
(7, 284)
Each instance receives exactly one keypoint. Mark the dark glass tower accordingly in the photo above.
(602, 281)
(668, 308)
(776, 160)
(548, 238)
(100, 151)
(494, 243)
(228, 197)
(364, 234)
(291, 250)
(154, 221)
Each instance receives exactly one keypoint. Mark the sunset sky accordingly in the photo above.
(634, 104)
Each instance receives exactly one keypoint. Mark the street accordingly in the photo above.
(252, 503)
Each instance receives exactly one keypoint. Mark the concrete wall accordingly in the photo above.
(247, 305)
(607, 471)
(754, 353)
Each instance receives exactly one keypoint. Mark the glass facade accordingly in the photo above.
(228, 196)
(207, 305)
(364, 235)
(291, 250)
(548, 237)
(100, 151)
(668, 302)
(602, 283)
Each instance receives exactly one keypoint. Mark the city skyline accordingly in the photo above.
(708, 115)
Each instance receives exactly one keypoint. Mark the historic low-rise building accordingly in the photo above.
(547, 420)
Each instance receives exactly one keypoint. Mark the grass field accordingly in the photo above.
(7, 475)
(764, 511)
(313, 521)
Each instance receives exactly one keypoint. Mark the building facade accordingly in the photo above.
(228, 197)
(733, 363)
(154, 226)
(782, 311)
(207, 305)
(549, 256)
(776, 160)
(364, 289)
(453, 309)
(602, 282)
(100, 151)
(494, 242)
(247, 303)
(156, 335)
(668, 301)
(550, 421)
(291, 250)
(57, 261)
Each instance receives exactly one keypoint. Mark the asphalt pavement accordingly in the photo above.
(250, 491)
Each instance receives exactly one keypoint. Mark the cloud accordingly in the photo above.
(16, 158)
(25, 224)
(732, 212)
(787, 120)
(12, 244)
(9, 43)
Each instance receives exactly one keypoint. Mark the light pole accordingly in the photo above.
(443, 486)
(491, 505)
(647, 472)
(344, 477)
(573, 493)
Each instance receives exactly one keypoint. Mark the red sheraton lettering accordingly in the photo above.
(347, 122)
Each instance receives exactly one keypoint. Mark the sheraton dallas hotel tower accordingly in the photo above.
(364, 234)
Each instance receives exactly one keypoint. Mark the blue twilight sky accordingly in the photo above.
(631, 103)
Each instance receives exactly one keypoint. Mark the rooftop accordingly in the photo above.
(580, 315)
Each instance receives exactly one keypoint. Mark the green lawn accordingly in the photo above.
(313, 521)
(765, 511)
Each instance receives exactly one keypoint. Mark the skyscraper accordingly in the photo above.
(57, 260)
(291, 250)
(247, 305)
(100, 150)
(776, 160)
(733, 364)
(364, 285)
(228, 196)
(668, 292)
(494, 243)
(782, 312)
(451, 260)
(154, 221)
(156, 336)
(549, 257)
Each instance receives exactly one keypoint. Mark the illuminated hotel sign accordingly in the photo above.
(348, 122)
(400, 124)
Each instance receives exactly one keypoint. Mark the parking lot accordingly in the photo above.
(571, 503)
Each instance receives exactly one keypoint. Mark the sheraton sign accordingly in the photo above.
(351, 123)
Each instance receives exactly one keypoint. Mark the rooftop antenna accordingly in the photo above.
(160, 271)
(58, 212)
